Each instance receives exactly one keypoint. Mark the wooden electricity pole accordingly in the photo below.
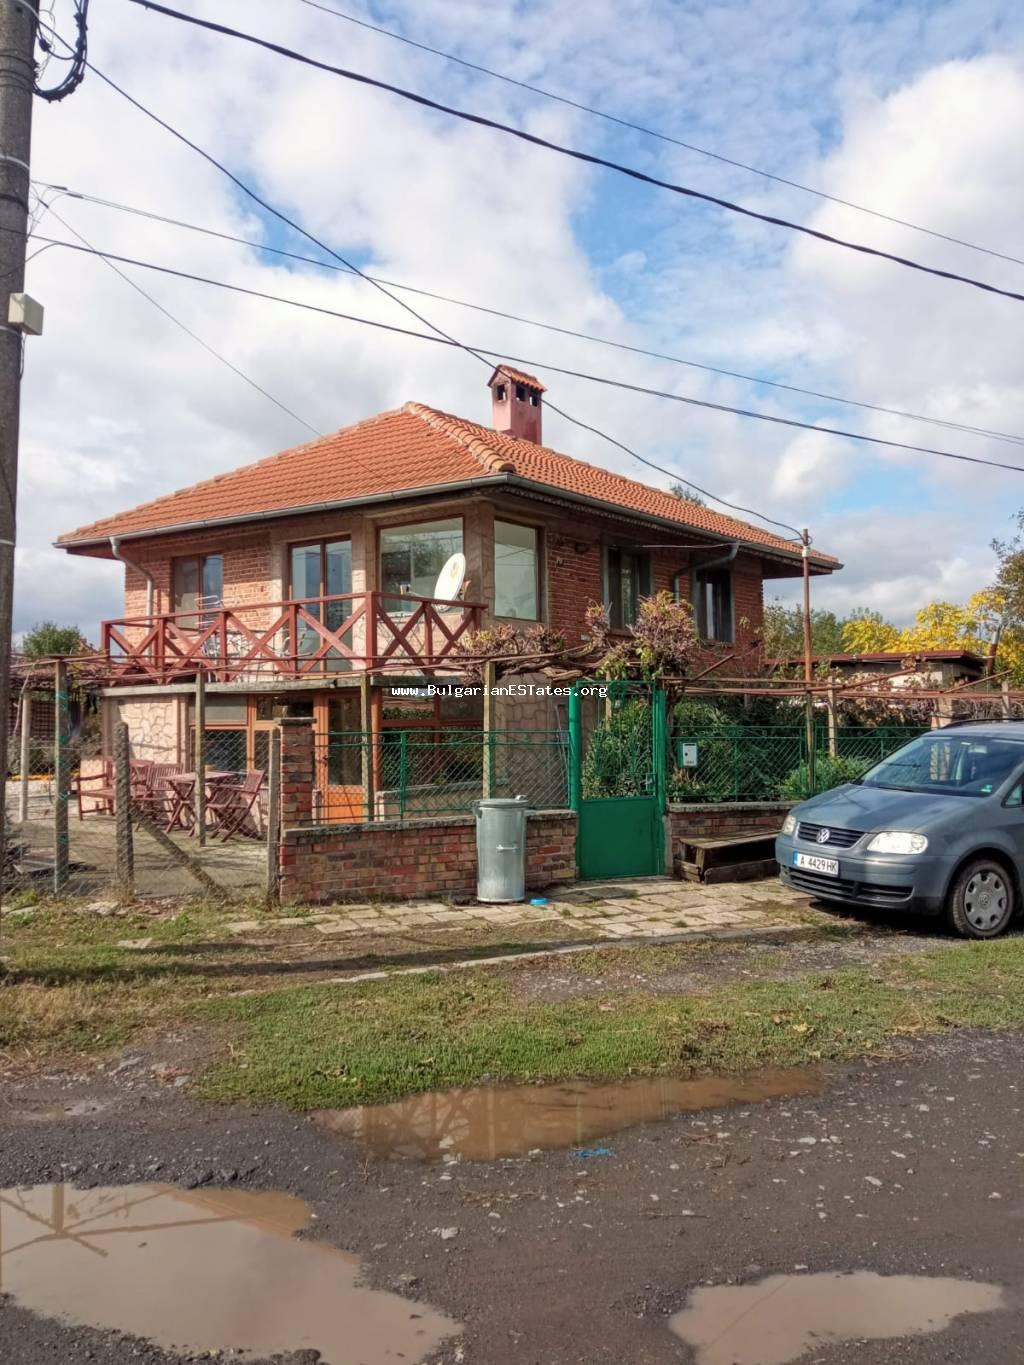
(17, 79)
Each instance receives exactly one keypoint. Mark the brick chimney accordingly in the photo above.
(516, 403)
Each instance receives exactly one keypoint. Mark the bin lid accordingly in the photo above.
(501, 802)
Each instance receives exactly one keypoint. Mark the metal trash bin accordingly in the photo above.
(501, 849)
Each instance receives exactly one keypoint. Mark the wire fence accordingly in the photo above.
(158, 809)
(398, 774)
(770, 763)
(138, 814)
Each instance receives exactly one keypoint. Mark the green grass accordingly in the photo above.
(68, 992)
(328, 1047)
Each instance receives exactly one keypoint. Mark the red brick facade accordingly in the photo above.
(572, 551)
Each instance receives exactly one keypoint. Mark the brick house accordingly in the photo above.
(305, 583)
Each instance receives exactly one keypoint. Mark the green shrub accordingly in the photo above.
(619, 761)
(828, 773)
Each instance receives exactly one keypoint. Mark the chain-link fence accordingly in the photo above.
(417, 773)
(155, 815)
(769, 763)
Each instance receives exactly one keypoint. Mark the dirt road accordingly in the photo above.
(912, 1167)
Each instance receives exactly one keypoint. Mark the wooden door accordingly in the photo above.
(339, 756)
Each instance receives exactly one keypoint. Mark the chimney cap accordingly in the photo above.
(516, 377)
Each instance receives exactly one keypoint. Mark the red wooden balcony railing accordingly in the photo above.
(261, 642)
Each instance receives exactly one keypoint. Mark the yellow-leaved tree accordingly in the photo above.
(868, 632)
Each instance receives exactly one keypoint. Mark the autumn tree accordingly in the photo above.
(868, 632)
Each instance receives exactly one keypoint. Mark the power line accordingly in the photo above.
(290, 222)
(661, 137)
(491, 355)
(546, 326)
(178, 323)
(588, 158)
(76, 72)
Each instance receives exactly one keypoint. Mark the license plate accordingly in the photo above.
(828, 866)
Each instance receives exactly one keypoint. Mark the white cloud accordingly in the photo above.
(119, 405)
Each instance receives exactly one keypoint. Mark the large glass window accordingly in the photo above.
(713, 601)
(516, 578)
(318, 571)
(411, 557)
(627, 579)
(197, 582)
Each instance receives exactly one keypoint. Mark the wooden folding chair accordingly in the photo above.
(102, 795)
(158, 798)
(140, 773)
(231, 804)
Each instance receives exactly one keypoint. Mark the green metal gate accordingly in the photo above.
(617, 778)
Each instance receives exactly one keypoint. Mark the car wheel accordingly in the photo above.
(981, 900)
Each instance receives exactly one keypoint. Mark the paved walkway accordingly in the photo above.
(645, 908)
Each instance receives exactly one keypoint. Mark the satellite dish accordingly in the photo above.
(450, 579)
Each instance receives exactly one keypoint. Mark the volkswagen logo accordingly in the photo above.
(823, 836)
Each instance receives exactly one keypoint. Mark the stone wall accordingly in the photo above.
(155, 727)
(412, 860)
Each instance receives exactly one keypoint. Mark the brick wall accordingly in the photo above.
(298, 770)
(255, 559)
(720, 820)
(421, 859)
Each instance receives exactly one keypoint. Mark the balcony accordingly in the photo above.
(290, 641)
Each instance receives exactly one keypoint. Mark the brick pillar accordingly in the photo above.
(298, 770)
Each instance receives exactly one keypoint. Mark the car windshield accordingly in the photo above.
(954, 763)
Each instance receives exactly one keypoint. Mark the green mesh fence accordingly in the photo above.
(436, 772)
(769, 763)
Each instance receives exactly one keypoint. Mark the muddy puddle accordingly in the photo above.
(202, 1270)
(780, 1318)
(487, 1122)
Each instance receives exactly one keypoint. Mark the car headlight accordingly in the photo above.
(893, 841)
(789, 824)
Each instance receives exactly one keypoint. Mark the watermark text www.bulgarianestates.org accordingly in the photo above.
(509, 689)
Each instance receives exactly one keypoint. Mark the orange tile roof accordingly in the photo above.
(410, 449)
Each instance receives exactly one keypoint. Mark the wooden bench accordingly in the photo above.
(733, 858)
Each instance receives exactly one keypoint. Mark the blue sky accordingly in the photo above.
(914, 109)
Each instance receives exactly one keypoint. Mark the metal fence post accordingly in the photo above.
(403, 769)
(200, 756)
(273, 817)
(489, 679)
(123, 813)
(832, 721)
(575, 750)
(366, 746)
(25, 761)
(61, 778)
(809, 726)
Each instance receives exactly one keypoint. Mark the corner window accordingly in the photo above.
(627, 579)
(713, 603)
(197, 583)
(411, 557)
(516, 576)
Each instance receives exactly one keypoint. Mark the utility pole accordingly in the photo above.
(805, 553)
(17, 78)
